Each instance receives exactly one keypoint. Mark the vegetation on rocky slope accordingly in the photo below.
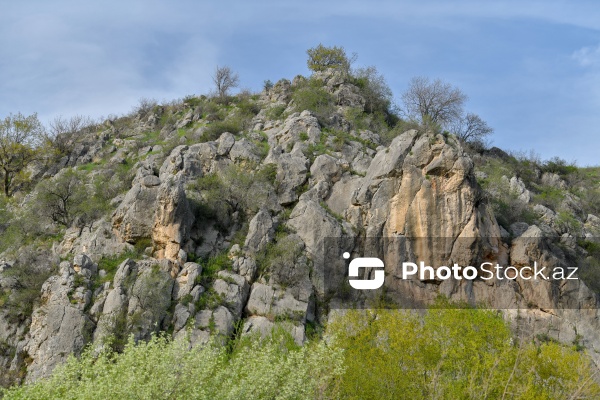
(206, 217)
(383, 354)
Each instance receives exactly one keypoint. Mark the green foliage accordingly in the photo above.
(142, 244)
(338, 217)
(110, 264)
(234, 189)
(401, 126)
(559, 166)
(321, 58)
(237, 120)
(452, 354)
(216, 128)
(507, 207)
(246, 106)
(267, 85)
(164, 369)
(589, 266)
(276, 112)
(18, 302)
(316, 149)
(209, 300)
(211, 266)
(281, 260)
(374, 89)
(20, 139)
(568, 223)
(311, 96)
(549, 196)
(341, 137)
(267, 173)
(69, 199)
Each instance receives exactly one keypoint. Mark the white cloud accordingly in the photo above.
(588, 56)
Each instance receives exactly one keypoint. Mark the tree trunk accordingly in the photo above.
(6, 184)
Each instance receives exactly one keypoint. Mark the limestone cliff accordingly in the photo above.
(222, 234)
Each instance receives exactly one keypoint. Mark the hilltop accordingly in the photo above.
(209, 217)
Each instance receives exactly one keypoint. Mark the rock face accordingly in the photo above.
(60, 326)
(197, 260)
(172, 221)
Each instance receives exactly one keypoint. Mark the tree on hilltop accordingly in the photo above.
(321, 58)
(225, 79)
(439, 104)
(434, 102)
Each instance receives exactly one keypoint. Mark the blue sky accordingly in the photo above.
(531, 69)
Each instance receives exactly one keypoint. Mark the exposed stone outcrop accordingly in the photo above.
(60, 327)
(172, 221)
(328, 189)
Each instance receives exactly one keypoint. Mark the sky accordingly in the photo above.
(531, 69)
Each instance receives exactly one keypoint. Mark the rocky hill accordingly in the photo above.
(214, 216)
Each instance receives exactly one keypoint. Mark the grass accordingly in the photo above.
(110, 264)
(276, 112)
(211, 266)
(335, 215)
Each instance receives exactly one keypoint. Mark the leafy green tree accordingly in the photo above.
(235, 189)
(70, 200)
(20, 137)
(321, 58)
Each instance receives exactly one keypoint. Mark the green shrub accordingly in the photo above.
(216, 128)
(235, 189)
(312, 97)
(559, 166)
(164, 369)
(589, 266)
(68, 199)
(281, 260)
(276, 112)
(452, 354)
(211, 266)
(111, 264)
(549, 196)
(18, 303)
(374, 89)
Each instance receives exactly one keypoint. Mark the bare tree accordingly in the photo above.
(62, 132)
(144, 107)
(225, 79)
(434, 102)
(471, 128)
